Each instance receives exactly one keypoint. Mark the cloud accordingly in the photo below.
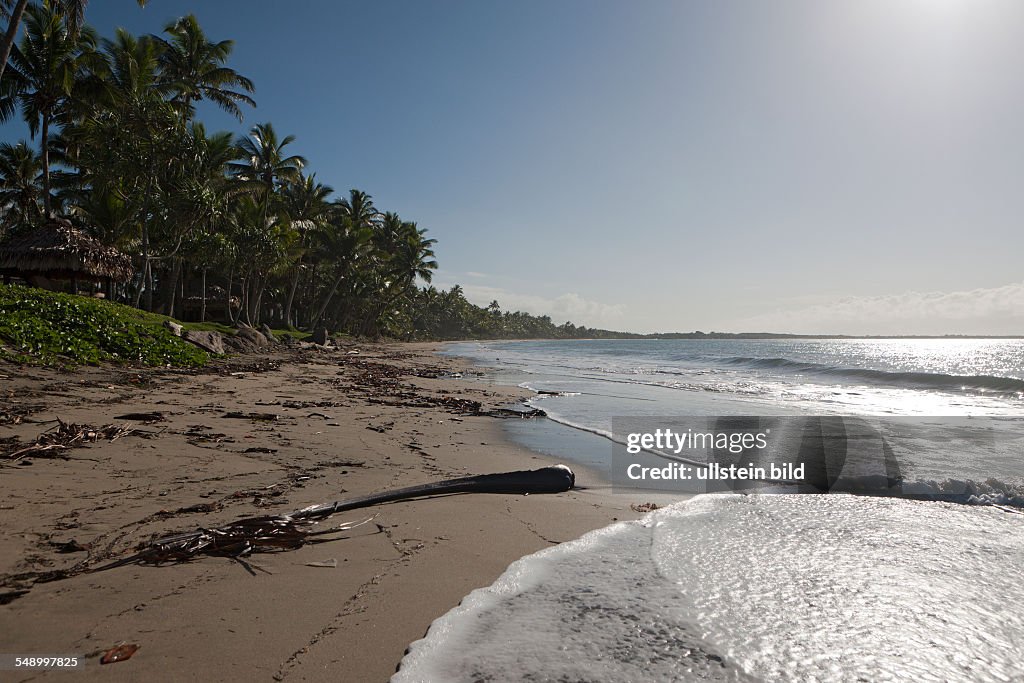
(996, 310)
(473, 273)
(569, 306)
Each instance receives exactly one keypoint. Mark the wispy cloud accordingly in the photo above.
(996, 310)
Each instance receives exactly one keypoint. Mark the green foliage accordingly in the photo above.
(433, 314)
(55, 328)
(232, 228)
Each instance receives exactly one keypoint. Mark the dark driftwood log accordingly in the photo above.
(291, 530)
(554, 479)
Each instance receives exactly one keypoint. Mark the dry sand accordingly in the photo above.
(344, 428)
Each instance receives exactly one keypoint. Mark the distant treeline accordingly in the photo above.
(448, 315)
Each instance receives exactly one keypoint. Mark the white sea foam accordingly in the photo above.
(770, 587)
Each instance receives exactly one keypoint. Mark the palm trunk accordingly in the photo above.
(243, 305)
(250, 292)
(46, 165)
(257, 307)
(149, 280)
(291, 295)
(327, 300)
(202, 307)
(137, 299)
(172, 286)
(11, 34)
(146, 284)
(309, 294)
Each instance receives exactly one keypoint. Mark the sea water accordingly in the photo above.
(767, 587)
(940, 383)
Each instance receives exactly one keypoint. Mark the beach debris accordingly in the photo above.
(644, 507)
(328, 564)
(119, 653)
(260, 449)
(11, 417)
(380, 384)
(154, 416)
(71, 546)
(259, 417)
(12, 595)
(293, 530)
(522, 414)
(312, 404)
(68, 435)
(199, 507)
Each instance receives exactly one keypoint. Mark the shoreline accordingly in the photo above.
(347, 424)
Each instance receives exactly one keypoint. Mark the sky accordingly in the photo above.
(851, 166)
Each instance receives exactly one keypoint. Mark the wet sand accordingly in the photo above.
(338, 424)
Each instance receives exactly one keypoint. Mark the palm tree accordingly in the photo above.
(194, 69)
(20, 171)
(262, 246)
(73, 11)
(305, 204)
(261, 165)
(45, 70)
(261, 162)
(358, 208)
(126, 135)
(343, 245)
(193, 195)
(415, 257)
(351, 238)
(410, 256)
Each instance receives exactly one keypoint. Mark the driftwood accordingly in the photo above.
(68, 435)
(295, 529)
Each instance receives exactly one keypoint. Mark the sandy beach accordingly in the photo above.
(314, 427)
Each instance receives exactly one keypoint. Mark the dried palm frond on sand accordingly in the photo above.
(68, 435)
(293, 530)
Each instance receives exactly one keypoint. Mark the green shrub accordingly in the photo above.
(55, 328)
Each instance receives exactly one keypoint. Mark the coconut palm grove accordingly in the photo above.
(210, 226)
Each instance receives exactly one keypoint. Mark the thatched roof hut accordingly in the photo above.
(58, 250)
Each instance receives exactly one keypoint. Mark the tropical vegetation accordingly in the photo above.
(37, 325)
(230, 228)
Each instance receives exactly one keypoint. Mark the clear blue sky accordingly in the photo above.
(849, 166)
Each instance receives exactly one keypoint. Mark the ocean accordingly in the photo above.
(772, 586)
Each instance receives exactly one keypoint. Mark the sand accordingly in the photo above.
(343, 428)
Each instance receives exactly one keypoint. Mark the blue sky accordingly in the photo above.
(846, 166)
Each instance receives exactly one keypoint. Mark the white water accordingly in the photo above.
(945, 385)
(729, 587)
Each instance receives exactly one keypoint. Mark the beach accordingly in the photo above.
(909, 568)
(309, 427)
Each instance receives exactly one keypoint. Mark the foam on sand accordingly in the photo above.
(729, 587)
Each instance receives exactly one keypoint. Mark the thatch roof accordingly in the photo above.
(59, 250)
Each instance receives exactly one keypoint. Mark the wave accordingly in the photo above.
(967, 492)
(991, 492)
(985, 383)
